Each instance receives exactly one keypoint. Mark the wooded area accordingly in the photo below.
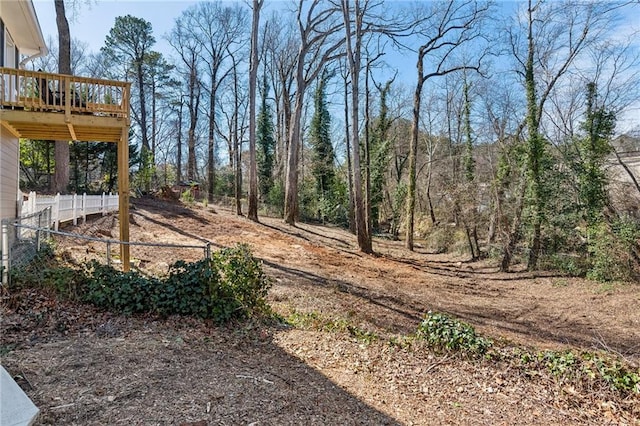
(504, 144)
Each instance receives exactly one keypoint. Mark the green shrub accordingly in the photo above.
(187, 196)
(447, 333)
(186, 290)
(446, 239)
(592, 366)
(610, 250)
(242, 285)
(127, 292)
(230, 285)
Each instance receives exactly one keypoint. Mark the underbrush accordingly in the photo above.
(316, 321)
(229, 285)
(445, 333)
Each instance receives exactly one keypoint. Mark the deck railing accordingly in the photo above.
(48, 92)
(66, 208)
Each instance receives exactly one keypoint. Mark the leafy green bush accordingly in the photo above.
(446, 239)
(187, 196)
(230, 285)
(593, 366)
(127, 292)
(241, 287)
(447, 333)
(610, 249)
(612, 371)
(186, 290)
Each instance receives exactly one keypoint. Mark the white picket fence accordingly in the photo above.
(65, 208)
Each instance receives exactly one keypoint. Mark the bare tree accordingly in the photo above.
(354, 45)
(188, 49)
(252, 212)
(318, 24)
(217, 28)
(546, 41)
(280, 45)
(449, 27)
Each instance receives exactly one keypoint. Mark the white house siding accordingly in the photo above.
(9, 149)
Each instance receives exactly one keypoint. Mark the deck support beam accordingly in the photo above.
(123, 197)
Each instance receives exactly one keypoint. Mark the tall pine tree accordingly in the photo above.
(266, 143)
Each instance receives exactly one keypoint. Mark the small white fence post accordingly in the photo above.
(33, 199)
(56, 211)
(103, 205)
(74, 205)
(84, 208)
(5, 253)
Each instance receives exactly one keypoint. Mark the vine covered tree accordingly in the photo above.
(594, 147)
(266, 143)
(322, 166)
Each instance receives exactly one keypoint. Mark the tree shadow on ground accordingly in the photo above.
(164, 375)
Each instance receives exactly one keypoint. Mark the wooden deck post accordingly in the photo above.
(123, 199)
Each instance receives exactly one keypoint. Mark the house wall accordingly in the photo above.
(9, 144)
(9, 149)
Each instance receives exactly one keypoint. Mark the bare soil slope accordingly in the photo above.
(87, 367)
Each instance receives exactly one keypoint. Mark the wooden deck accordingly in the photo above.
(46, 106)
(39, 105)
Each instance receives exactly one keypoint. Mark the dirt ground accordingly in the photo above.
(84, 366)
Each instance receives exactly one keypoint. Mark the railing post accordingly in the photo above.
(84, 208)
(32, 202)
(108, 253)
(56, 211)
(4, 266)
(74, 205)
(66, 93)
(207, 251)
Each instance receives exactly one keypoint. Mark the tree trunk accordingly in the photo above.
(61, 154)
(179, 147)
(354, 58)
(413, 153)
(253, 77)
(535, 150)
(211, 146)
(291, 183)
(367, 156)
(514, 235)
(351, 212)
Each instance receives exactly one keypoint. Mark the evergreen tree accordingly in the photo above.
(322, 166)
(266, 143)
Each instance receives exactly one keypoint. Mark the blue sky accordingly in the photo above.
(94, 18)
(91, 22)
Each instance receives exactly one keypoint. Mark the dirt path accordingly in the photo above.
(82, 366)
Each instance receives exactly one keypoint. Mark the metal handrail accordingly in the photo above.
(206, 247)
